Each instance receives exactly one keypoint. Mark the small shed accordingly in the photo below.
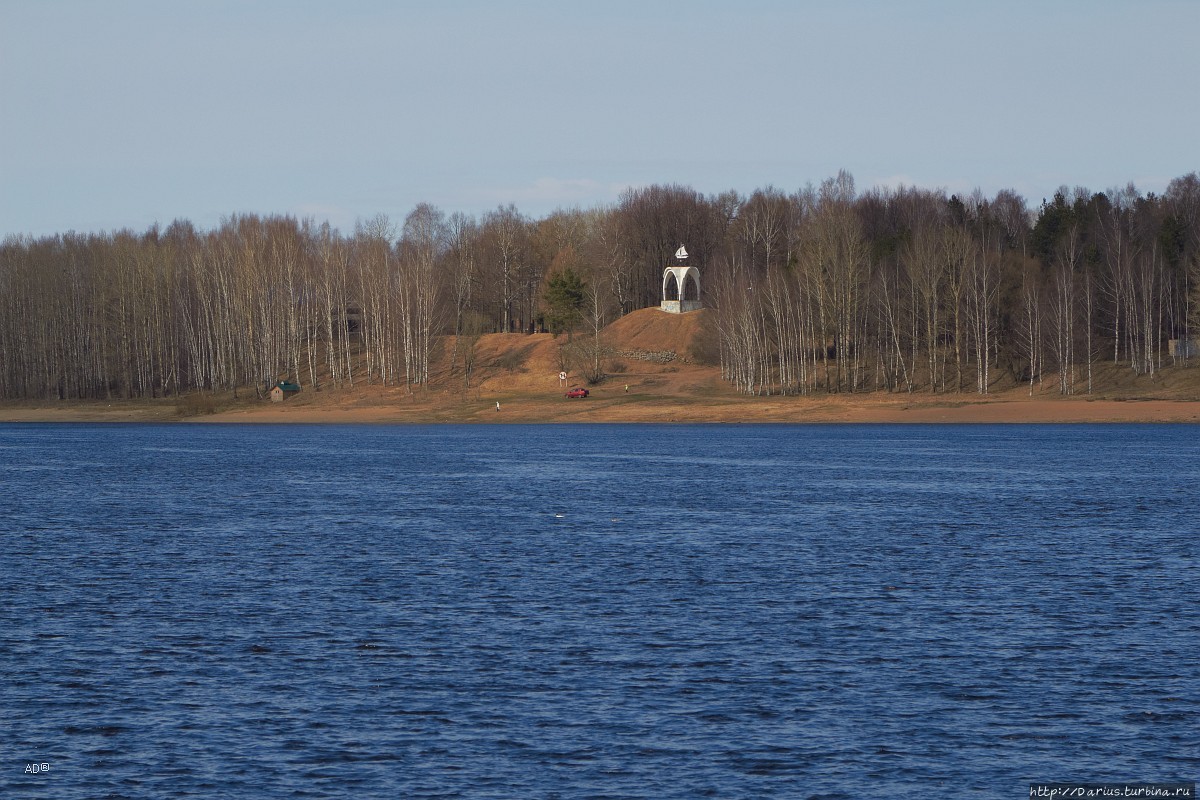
(1184, 348)
(282, 389)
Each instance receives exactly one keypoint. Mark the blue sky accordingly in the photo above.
(123, 113)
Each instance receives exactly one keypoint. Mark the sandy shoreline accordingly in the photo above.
(522, 373)
(394, 407)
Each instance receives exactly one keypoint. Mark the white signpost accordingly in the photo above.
(562, 379)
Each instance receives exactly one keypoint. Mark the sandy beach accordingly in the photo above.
(372, 405)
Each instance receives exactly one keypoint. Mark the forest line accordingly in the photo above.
(822, 290)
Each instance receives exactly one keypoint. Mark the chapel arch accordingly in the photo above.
(670, 287)
(680, 289)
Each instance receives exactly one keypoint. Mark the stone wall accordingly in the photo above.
(680, 306)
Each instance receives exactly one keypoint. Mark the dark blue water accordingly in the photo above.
(596, 612)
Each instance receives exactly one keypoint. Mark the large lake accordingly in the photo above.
(596, 611)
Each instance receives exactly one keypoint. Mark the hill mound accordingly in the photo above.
(641, 344)
(652, 330)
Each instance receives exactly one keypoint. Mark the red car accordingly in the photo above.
(577, 393)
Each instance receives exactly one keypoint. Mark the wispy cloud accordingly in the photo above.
(546, 194)
(894, 182)
(340, 218)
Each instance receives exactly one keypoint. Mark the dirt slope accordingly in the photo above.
(644, 343)
(652, 330)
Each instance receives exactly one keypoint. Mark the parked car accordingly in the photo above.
(577, 393)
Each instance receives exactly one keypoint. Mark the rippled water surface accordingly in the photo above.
(596, 612)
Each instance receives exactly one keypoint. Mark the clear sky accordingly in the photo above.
(124, 113)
